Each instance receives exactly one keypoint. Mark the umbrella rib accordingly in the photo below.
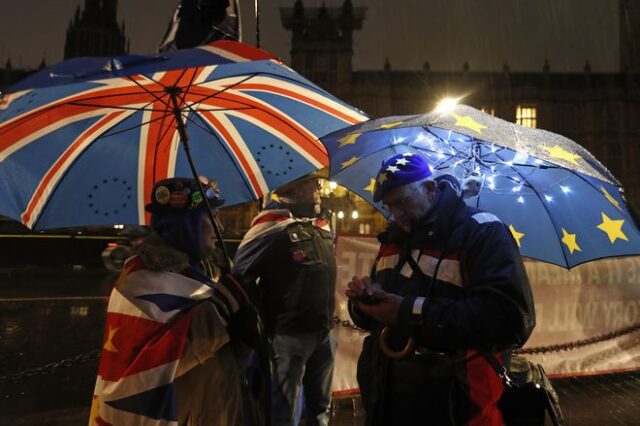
(553, 222)
(225, 147)
(199, 101)
(107, 135)
(159, 99)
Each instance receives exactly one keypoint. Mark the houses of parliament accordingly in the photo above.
(600, 111)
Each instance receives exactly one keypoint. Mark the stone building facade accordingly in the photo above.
(600, 111)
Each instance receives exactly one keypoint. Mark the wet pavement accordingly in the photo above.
(52, 314)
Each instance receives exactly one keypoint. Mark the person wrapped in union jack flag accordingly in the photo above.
(170, 355)
(289, 252)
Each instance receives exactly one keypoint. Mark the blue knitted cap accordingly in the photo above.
(400, 170)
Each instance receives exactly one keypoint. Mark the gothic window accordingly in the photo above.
(527, 115)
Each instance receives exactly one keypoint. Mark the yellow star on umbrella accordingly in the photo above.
(610, 198)
(372, 186)
(516, 235)
(561, 153)
(350, 139)
(468, 122)
(109, 346)
(613, 228)
(382, 178)
(349, 162)
(569, 240)
(390, 125)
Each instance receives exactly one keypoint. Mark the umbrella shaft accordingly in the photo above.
(184, 138)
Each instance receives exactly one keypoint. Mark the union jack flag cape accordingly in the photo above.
(148, 318)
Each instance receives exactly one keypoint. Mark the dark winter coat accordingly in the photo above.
(466, 266)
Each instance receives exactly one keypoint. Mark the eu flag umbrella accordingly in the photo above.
(561, 205)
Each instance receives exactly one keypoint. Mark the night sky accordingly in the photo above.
(445, 32)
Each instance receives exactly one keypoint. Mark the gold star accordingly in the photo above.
(390, 125)
(561, 153)
(468, 122)
(109, 345)
(392, 169)
(569, 240)
(516, 235)
(350, 139)
(402, 161)
(381, 178)
(610, 198)
(613, 228)
(349, 162)
(372, 186)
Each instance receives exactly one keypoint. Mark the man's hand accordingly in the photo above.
(385, 312)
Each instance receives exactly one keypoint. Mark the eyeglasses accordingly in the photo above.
(401, 202)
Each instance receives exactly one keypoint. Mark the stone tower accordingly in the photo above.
(322, 43)
(95, 31)
(629, 36)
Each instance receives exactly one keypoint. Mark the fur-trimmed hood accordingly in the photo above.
(158, 255)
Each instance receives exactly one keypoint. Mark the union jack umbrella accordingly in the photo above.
(82, 143)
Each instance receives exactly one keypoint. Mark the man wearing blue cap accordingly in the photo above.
(448, 289)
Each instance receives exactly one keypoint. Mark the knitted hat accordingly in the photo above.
(400, 170)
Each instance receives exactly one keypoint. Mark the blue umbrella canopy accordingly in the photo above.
(82, 143)
(561, 205)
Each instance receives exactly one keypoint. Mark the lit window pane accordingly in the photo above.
(527, 115)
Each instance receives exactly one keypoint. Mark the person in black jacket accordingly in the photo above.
(289, 252)
(448, 285)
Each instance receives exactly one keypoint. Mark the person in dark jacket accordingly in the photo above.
(289, 252)
(448, 285)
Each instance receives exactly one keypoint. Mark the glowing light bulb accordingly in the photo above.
(340, 214)
(446, 105)
(354, 214)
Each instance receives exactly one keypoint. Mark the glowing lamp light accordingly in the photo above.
(354, 214)
(446, 105)
(340, 214)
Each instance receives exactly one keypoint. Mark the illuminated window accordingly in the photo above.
(527, 115)
(488, 110)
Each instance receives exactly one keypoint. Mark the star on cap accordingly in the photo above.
(569, 240)
(559, 152)
(349, 139)
(372, 186)
(401, 161)
(516, 235)
(349, 162)
(392, 169)
(382, 178)
(613, 228)
(468, 122)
